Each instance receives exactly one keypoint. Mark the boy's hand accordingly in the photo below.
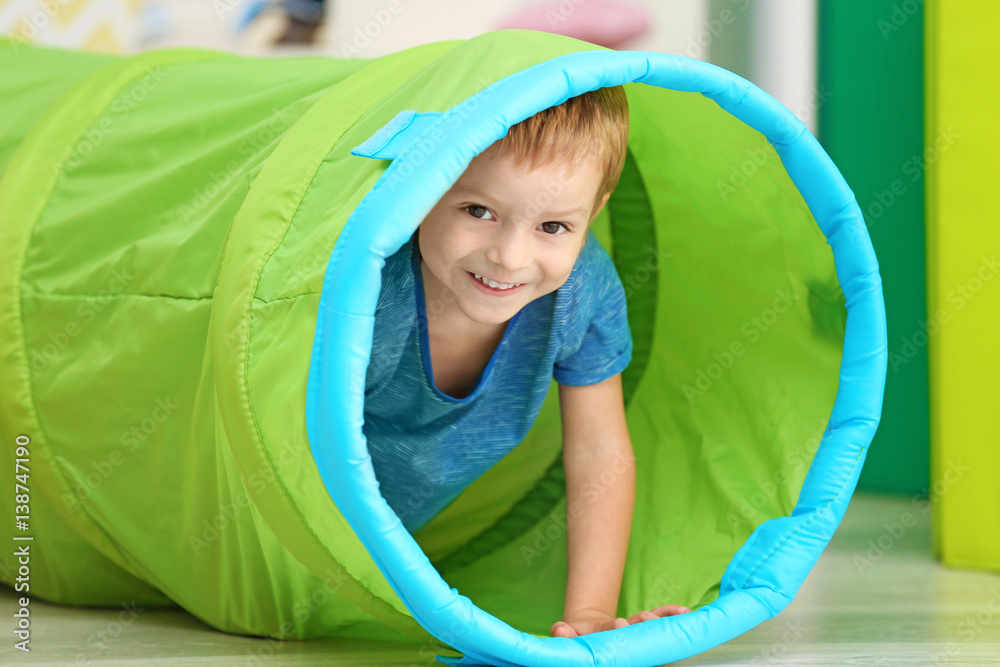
(587, 621)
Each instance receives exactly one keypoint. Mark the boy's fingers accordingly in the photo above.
(642, 616)
(670, 610)
(561, 629)
(619, 623)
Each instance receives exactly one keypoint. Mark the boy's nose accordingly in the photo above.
(510, 250)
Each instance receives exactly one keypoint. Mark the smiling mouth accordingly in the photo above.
(503, 289)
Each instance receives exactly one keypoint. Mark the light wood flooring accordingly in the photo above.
(863, 604)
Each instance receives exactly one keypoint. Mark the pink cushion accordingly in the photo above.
(602, 22)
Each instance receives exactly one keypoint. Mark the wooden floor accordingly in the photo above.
(876, 597)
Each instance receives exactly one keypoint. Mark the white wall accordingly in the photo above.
(772, 43)
(784, 55)
(371, 28)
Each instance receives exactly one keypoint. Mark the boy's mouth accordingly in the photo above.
(495, 291)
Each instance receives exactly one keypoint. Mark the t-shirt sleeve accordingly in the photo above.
(606, 347)
(394, 313)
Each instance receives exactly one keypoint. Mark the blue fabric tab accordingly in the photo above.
(396, 135)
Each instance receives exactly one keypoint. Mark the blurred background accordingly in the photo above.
(891, 89)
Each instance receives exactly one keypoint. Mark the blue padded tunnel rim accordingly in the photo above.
(768, 569)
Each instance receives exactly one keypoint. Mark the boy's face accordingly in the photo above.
(509, 225)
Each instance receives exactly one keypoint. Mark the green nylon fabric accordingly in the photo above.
(166, 223)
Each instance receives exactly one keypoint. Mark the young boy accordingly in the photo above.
(497, 293)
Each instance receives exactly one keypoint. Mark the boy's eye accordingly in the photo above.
(483, 213)
(474, 212)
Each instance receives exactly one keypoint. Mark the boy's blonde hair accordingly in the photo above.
(594, 121)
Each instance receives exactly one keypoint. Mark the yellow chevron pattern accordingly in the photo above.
(109, 26)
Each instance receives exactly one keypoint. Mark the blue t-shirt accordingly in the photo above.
(426, 446)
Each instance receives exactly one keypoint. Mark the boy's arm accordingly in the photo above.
(600, 496)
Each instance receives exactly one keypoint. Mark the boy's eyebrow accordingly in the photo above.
(578, 209)
(465, 190)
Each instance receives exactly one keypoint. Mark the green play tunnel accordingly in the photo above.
(167, 221)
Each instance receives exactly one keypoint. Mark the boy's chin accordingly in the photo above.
(493, 316)
(493, 319)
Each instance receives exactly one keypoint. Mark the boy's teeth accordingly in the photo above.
(494, 284)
